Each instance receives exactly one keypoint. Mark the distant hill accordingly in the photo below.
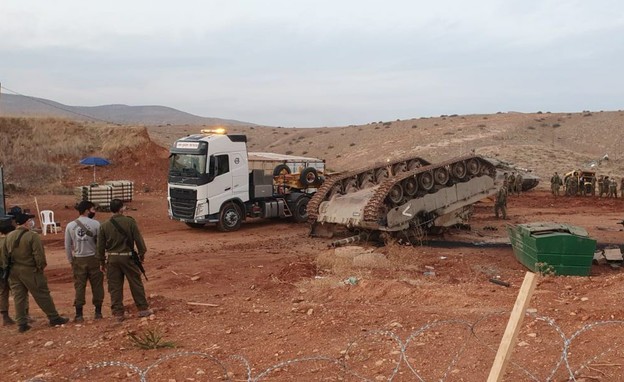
(22, 106)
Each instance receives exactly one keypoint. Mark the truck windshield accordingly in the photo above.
(187, 165)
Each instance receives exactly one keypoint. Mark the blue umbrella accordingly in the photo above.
(94, 161)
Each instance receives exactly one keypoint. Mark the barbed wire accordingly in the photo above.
(346, 364)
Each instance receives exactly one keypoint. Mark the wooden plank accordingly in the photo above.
(513, 327)
(202, 304)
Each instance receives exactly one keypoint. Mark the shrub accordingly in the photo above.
(149, 339)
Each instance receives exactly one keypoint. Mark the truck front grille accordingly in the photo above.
(183, 202)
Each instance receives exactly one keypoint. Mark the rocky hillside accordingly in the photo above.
(544, 142)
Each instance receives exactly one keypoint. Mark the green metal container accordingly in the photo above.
(554, 248)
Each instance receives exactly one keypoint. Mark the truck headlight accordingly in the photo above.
(201, 209)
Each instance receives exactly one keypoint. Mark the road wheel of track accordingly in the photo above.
(350, 186)
(399, 168)
(410, 186)
(230, 218)
(459, 170)
(473, 166)
(381, 174)
(300, 210)
(413, 164)
(441, 175)
(395, 195)
(366, 181)
(426, 180)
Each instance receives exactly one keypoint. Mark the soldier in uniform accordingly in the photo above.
(518, 184)
(80, 248)
(512, 182)
(600, 185)
(115, 243)
(555, 184)
(24, 251)
(501, 202)
(605, 186)
(613, 188)
(5, 228)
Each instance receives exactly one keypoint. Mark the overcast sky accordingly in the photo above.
(318, 63)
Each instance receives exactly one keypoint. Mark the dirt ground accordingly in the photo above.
(279, 305)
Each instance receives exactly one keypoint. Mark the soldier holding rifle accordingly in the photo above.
(115, 251)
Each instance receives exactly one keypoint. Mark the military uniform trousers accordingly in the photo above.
(4, 295)
(502, 208)
(27, 279)
(120, 265)
(85, 269)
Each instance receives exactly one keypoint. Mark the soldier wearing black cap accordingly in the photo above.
(80, 237)
(24, 251)
(117, 238)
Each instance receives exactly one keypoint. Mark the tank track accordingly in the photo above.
(325, 191)
(380, 202)
(391, 192)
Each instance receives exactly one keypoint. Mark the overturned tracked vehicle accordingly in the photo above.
(406, 198)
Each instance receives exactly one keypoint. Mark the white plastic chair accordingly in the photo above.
(47, 220)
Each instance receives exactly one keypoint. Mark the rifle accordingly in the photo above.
(7, 270)
(133, 254)
(135, 257)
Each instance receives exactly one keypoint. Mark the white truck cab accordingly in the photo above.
(211, 180)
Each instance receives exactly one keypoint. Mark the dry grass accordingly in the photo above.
(36, 152)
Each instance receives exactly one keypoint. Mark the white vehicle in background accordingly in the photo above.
(213, 179)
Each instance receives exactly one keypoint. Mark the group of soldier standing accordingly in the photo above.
(585, 185)
(92, 249)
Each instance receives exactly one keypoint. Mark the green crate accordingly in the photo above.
(547, 247)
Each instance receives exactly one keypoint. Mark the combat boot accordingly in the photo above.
(98, 312)
(23, 328)
(78, 317)
(146, 313)
(60, 320)
(6, 320)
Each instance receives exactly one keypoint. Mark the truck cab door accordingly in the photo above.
(240, 175)
(220, 186)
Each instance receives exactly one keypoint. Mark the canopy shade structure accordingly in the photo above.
(94, 161)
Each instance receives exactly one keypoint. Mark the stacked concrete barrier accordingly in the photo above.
(122, 189)
(101, 196)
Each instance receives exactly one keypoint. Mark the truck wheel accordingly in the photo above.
(196, 225)
(230, 218)
(309, 176)
(281, 169)
(300, 211)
